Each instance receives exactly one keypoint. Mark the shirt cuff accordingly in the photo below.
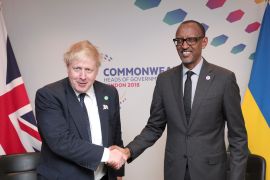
(106, 155)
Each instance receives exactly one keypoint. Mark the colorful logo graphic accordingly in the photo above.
(176, 16)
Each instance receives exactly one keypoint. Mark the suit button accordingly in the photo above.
(185, 156)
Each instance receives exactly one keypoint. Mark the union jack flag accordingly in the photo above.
(18, 130)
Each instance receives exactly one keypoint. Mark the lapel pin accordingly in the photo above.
(106, 98)
(105, 107)
(207, 77)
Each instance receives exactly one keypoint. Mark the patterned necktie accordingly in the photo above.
(187, 95)
(85, 114)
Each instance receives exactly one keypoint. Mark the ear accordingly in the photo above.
(204, 42)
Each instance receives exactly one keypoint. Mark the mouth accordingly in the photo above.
(81, 84)
(185, 53)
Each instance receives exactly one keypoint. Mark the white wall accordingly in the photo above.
(41, 31)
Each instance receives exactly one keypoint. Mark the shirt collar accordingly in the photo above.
(90, 93)
(196, 69)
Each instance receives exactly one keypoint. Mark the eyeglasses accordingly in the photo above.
(190, 40)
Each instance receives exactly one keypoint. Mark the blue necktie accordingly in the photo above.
(85, 115)
(187, 95)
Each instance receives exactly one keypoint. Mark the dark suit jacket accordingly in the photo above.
(201, 142)
(66, 152)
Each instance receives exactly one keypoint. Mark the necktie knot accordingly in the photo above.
(189, 74)
(82, 96)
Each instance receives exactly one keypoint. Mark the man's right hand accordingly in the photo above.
(117, 158)
(126, 151)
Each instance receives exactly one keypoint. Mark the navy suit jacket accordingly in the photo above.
(200, 144)
(66, 152)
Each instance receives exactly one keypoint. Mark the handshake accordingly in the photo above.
(118, 156)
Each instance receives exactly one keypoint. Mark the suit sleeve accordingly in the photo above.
(117, 136)
(154, 127)
(237, 134)
(55, 131)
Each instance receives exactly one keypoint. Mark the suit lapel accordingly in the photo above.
(177, 84)
(103, 109)
(206, 77)
(76, 111)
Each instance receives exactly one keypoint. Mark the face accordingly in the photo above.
(190, 54)
(82, 74)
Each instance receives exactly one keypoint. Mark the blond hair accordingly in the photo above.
(81, 50)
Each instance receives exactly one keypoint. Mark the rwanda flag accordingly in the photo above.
(256, 104)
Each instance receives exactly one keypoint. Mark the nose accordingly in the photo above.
(185, 45)
(83, 74)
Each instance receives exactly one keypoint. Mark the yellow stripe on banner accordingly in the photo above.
(257, 129)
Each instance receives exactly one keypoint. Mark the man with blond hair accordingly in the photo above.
(78, 119)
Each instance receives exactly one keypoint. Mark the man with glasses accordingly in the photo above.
(195, 100)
